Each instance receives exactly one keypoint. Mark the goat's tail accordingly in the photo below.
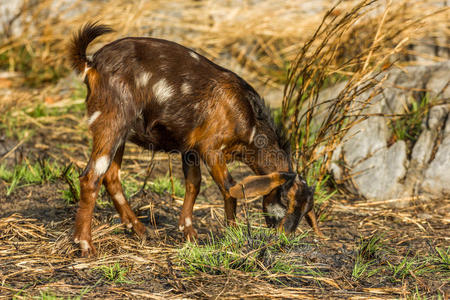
(80, 42)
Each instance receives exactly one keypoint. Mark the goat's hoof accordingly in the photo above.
(322, 236)
(139, 229)
(319, 233)
(190, 234)
(231, 223)
(87, 248)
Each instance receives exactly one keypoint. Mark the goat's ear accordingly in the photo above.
(256, 186)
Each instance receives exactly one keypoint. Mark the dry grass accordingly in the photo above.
(46, 252)
(37, 256)
(258, 40)
(356, 45)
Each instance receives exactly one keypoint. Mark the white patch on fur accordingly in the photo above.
(252, 135)
(143, 79)
(181, 227)
(135, 221)
(276, 210)
(194, 55)
(86, 69)
(222, 147)
(101, 165)
(186, 88)
(188, 222)
(118, 175)
(93, 117)
(84, 245)
(162, 90)
(120, 198)
(76, 241)
(129, 225)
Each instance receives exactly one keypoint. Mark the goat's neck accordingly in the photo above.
(269, 159)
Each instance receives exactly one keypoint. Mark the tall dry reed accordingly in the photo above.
(354, 45)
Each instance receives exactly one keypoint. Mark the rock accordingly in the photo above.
(437, 175)
(431, 47)
(436, 116)
(395, 101)
(379, 176)
(335, 167)
(331, 92)
(364, 139)
(405, 169)
(438, 85)
(422, 149)
(414, 77)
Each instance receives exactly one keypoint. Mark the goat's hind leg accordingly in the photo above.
(115, 190)
(107, 139)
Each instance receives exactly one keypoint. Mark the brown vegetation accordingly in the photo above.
(372, 250)
(259, 40)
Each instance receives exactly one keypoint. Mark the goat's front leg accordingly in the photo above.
(219, 172)
(312, 221)
(106, 142)
(192, 178)
(115, 190)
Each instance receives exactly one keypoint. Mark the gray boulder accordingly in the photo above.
(366, 162)
(365, 139)
(437, 174)
(379, 176)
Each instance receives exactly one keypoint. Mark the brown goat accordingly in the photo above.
(165, 97)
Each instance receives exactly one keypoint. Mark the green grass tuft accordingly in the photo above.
(26, 174)
(163, 185)
(261, 251)
(72, 194)
(48, 295)
(442, 260)
(37, 70)
(367, 255)
(409, 126)
(406, 267)
(114, 273)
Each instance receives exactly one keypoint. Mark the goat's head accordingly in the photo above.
(287, 197)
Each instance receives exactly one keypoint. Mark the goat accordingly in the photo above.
(165, 97)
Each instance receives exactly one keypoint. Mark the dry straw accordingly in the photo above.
(258, 39)
(356, 45)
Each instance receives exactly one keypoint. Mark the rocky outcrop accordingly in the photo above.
(437, 174)
(373, 165)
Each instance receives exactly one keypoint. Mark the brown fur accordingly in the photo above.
(165, 97)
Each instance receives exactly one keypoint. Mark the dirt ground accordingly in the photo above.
(38, 257)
